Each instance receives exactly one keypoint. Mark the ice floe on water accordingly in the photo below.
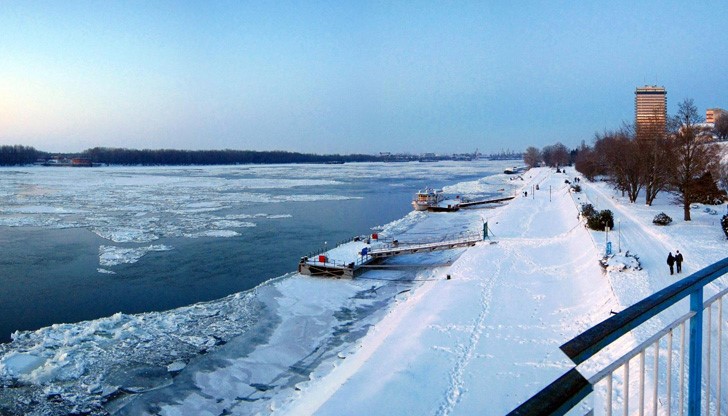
(125, 235)
(112, 255)
(401, 225)
(40, 209)
(214, 233)
(232, 224)
(500, 183)
(312, 198)
(74, 368)
(140, 205)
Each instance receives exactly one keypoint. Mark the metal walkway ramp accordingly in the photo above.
(487, 201)
(395, 248)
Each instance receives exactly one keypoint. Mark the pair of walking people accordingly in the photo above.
(676, 260)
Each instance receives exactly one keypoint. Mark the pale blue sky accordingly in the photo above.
(346, 77)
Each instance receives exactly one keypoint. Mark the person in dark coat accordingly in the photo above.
(678, 261)
(670, 261)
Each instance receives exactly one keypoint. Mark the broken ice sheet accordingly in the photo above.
(112, 255)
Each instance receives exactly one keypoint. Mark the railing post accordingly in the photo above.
(695, 365)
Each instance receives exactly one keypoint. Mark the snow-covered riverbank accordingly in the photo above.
(487, 339)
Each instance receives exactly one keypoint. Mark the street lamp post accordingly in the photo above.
(619, 235)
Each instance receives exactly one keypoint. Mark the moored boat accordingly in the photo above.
(427, 198)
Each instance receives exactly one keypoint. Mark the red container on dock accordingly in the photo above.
(322, 258)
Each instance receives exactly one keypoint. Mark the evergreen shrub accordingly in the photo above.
(597, 220)
(601, 220)
(587, 210)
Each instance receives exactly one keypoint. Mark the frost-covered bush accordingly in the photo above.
(724, 224)
(662, 219)
(600, 220)
(620, 262)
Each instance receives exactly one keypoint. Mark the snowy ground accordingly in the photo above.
(479, 342)
(486, 340)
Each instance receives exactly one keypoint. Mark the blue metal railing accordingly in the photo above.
(563, 394)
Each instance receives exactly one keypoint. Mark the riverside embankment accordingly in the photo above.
(487, 338)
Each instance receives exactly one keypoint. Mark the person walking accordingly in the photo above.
(678, 261)
(670, 262)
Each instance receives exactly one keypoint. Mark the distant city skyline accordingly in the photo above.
(340, 77)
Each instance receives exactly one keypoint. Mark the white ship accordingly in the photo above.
(427, 198)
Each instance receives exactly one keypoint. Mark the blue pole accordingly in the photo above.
(695, 365)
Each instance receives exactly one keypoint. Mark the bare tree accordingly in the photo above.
(693, 156)
(587, 162)
(547, 155)
(724, 176)
(561, 154)
(532, 157)
(721, 126)
(655, 150)
(622, 161)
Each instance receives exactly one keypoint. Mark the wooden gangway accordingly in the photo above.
(395, 247)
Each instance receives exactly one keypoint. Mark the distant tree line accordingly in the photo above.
(119, 156)
(553, 155)
(18, 155)
(505, 155)
(680, 158)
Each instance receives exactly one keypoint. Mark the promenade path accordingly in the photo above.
(699, 240)
(488, 338)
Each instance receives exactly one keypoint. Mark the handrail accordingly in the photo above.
(558, 397)
(584, 346)
(636, 350)
(567, 391)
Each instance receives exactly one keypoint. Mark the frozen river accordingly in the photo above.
(106, 244)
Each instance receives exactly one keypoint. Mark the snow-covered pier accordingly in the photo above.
(323, 266)
(344, 260)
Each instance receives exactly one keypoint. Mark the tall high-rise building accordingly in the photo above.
(650, 111)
